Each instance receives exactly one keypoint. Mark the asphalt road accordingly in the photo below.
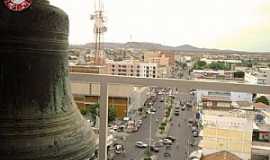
(182, 134)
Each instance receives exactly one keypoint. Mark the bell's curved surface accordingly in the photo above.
(38, 118)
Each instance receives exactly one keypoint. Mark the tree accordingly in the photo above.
(269, 65)
(219, 66)
(94, 111)
(112, 114)
(262, 99)
(200, 65)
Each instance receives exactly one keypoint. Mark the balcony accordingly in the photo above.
(183, 85)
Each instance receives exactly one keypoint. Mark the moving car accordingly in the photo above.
(183, 108)
(154, 148)
(149, 111)
(167, 141)
(173, 139)
(159, 143)
(140, 144)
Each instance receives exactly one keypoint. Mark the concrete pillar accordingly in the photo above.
(103, 127)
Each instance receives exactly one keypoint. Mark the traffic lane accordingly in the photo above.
(182, 134)
(142, 135)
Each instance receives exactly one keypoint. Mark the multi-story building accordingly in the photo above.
(132, 68)
(218, 75)
(164, 61)
(227, 131)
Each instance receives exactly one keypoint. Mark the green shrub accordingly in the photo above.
(163, 124)
(161, 127)
(83, 111)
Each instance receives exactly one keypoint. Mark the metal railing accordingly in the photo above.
(183, 85)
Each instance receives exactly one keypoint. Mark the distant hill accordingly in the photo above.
(156, 46)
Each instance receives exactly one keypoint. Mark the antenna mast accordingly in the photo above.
(99, 30)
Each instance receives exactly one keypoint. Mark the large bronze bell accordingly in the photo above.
(38, 118)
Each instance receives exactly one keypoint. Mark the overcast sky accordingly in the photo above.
(223, 24)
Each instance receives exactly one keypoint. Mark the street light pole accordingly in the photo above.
(150, 129)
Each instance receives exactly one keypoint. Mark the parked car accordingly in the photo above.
(195, 133)
(140, 144)
(118, 148)
(195, 155)
(193, 128)
(176, 113)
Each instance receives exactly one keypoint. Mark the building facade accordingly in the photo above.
(227, 131)
(132, 68)
(125, 98)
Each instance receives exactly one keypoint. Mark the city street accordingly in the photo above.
(182, 133)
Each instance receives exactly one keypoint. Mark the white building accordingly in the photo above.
(232, 61)
(132, 68)
(262, 76)
(230, 96)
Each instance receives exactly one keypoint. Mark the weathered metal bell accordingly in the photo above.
(38, 118)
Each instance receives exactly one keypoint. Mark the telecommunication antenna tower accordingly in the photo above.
(99, 30)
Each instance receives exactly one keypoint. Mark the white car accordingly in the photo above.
(140, 144)
(150, 112)
(195, 155)
(167, 141)
(139, 122)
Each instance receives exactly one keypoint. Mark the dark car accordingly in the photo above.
(154, 148)
(173, 139)
(166, 154)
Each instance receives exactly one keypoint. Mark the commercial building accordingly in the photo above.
(125, 98)
(221, 99)
(227, 131)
